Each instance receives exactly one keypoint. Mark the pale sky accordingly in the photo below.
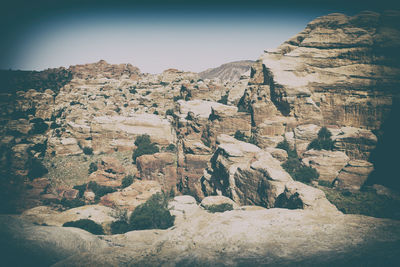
(190, 38)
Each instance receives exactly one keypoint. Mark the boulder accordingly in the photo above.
(160, 167)
(278, 153)
(71, 194)
(110, 172)
(183, 208)
(355, 142)
(327, 163)
(353, 175)
(210, 201)
(111, 165)
(46, 216)
(300, 196)
(132, 196)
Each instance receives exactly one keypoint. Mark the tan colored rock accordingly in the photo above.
(300, 196)
(353, 175)
(324, 74)
(111, 165)
(200, 108)
(104, 178)
(278, 153)
(327, 163)
(45, 215)
(132, 196)
(64, 146)
(71, 194)
(183, 208)
(110, 172)
(356, 143)
(89, 196)
(244, 173)
(160, 167)
(257, 237)
(210, 201)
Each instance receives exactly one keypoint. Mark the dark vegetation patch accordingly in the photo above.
(153, 214)
(35, 168)
(219, 208)
(365, 202)
(87, 150)
(294, 166)
(224, 99)
(39, 126)
(323, 141)
(127, 181)
(242, 137)
(87, 225)
(170, 148)
(92, 167)
(144, 147)
(72, 203)
(17, 80)
(100, 190)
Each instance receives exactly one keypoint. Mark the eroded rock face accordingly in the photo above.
(357, 143)
(353, 175)
(43, 215)
(339, 71)
(327, 163)
(252, 176)
(160, 167)
(132, 196)
(110, 172)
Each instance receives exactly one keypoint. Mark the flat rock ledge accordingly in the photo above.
(244, 236)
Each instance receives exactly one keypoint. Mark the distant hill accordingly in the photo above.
(229, 71)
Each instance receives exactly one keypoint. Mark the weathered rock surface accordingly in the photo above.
(210, 201)
(353, 175)
(357, 143)
(346, 79)
(251, 176)
(110, 172)
(43, 215)
(255, 237)
(132, 196)
(25, 244)
(160, 167)
(327, 163)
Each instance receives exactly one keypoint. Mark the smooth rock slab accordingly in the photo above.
(274, 237)
(24, 244)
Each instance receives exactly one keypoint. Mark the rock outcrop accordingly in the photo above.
(339, 70)
(353, 175)
(25, 244)
(251, 176)
(132, 196)
(252, 237)
(327, 163)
